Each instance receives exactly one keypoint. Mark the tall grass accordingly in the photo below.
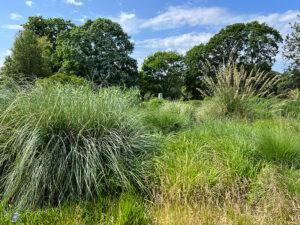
(215, 174)
(62, 143)
(279, 143)
(232, 87)
(168, 117)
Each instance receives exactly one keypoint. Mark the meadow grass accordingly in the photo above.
(62, 142)
(100, 156)
(218, 174)
(235, 92)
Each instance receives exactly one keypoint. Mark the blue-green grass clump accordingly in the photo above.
(65, 142)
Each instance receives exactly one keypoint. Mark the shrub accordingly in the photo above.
(232, 87)
(62, 142)
(155, 102)
(63, 78)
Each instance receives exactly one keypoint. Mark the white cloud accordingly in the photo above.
(6, 53)
(129, 22)
(29, 3)
(212, 18)
(74, 2)
(15, 16)
(12, 27)
(179, 16)
(181, 43)
(1, 63)
(280, 21)
(83, 19)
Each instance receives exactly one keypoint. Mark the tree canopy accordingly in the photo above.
(292, 46)
(49, 28)
(162, 72)
(30, 57)
(99, 50)
(253, 45)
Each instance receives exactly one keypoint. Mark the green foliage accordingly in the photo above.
(63, 78)
(292, 46)
(253, 45)
(193, 75)
(155, 102)
(129, 208)
(49, 28)
(30, 58)
(279, 144)
(99, 51)
(291, 109)
(61, 142)
(167, 117)
(162, 73)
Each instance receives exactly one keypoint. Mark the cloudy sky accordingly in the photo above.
(153, 24)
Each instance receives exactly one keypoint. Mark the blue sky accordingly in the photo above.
(153, 25)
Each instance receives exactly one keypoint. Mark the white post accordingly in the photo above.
(160, 95)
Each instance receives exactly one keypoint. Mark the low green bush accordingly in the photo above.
(155, 102)
(63, 78)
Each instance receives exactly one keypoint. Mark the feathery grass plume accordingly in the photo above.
(231, 87)
(63, 142)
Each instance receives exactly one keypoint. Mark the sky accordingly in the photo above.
(153, 24)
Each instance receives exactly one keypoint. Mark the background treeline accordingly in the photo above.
(100, 51)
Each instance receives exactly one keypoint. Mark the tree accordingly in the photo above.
(162, 72)
(193, 76)
(292, 53)
(292, 46)
(253, 45)
(49, 28)
(30, 58)
(100, 51)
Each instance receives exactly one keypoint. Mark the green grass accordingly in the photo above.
(82, 155)
(168, 117)
(127, 209)
(61, 142)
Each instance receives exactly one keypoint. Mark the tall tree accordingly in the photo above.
(30, 57)
(253, 45)
(99, 50)
(49, 28)
(292, 53)
(193, 75)
(162, 72)
(292, 46)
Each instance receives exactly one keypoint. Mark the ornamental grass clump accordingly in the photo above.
(232, 87)
(61, 143)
